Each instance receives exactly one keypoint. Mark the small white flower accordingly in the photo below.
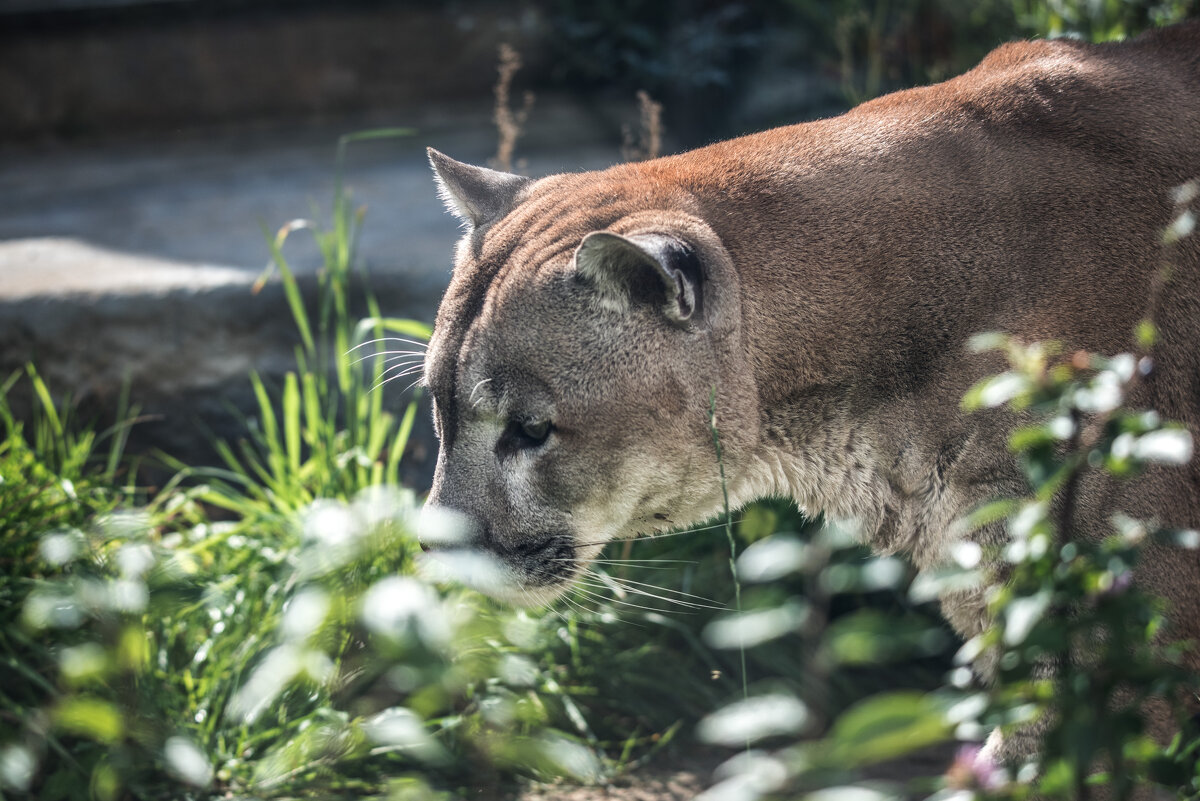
(60, 547)
(754, 719)
(187, 761)
(1122, 447)
(772, 558)
(1022, 615)
(17, 766)
(1062, 427)
(1103, 395)
(1182, 226)
(572, 759)
(518, 671)
(747, 629)
(1165, 446)
(380, 504)
(304, 614)
(397, 604)
(331, 523)
(1003, 388)
(134, 559)
(1024, 521)
(966, 554)
(443, 527)
(125, 595)
(1123, 365)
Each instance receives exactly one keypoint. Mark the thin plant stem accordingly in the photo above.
(737, 585)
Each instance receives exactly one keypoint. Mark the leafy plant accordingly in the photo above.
(1102, 20)
(1078, 649)
(259, 629)
(1071, 605)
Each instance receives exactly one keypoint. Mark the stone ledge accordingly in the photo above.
(60, 266)
(183, 337)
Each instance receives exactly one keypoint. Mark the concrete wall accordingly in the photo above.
(170, 65)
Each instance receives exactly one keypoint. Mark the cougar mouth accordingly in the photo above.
(544, 561)
(532, 573)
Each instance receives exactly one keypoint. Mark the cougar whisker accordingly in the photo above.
(608, 583)
(599, 597)
(666, 589)
(392, 355)
(418, 343)
(389, 379)
(471, 398)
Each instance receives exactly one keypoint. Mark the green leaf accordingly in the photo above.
(868, 637)
(990, 513)
(292, 421)
(43, 394)
(400, 441)
(90, 717)
(291, 288)
(397, 325)
(1146, 334)
(887, 726)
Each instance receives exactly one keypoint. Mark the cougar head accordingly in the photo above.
(591, 328)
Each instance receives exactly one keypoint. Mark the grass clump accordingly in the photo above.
(260, 629)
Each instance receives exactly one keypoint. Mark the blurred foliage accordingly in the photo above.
(1099, 20)
(657, 46)
(1072, 605)
(699, 56)
(1073, 655)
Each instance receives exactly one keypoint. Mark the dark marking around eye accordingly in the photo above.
(521, 435)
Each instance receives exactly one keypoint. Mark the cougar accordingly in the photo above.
(813, 288)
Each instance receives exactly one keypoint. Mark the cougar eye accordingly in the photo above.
(521, 435)
(533, 433)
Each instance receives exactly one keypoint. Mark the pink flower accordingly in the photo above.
(1120, 583)
(973, 769)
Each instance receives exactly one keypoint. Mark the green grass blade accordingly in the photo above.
(314, 421)
(291, 288)
(396, 325)
(119, 432)
(49, 411)
(400, 441)
(292, 421)
(270, 426)
(374, 133)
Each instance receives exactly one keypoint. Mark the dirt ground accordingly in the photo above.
(682, 775)
(674, 776)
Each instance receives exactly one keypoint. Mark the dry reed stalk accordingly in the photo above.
(508, 122)
(649, 144)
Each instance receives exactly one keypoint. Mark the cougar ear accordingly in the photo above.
(650, 268)
(476, 195)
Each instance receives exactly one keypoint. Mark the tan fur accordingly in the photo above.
(844, 264)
